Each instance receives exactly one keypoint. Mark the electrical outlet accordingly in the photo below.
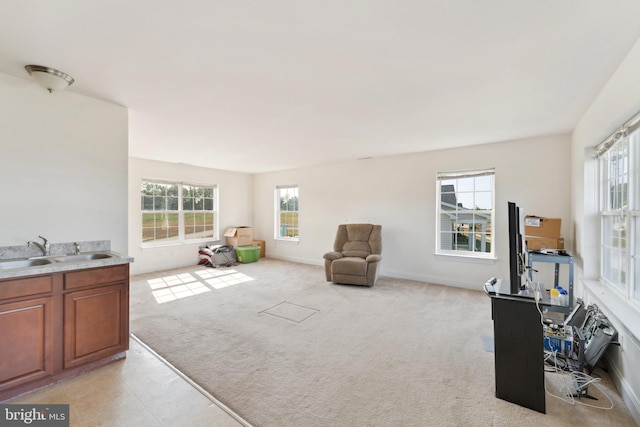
(620, 340)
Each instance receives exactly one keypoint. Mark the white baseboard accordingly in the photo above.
(400, 275)
(300, 260)
(627, 393)
(436, 280)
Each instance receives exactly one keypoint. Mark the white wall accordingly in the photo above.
(63, 166)
(235, 193)
(399, 192)
(618, 102)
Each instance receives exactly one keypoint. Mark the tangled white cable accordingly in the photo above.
(574, 385)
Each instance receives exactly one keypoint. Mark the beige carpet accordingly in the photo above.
(283, 348)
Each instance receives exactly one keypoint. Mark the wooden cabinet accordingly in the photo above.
(96, 314)
(26, 341)
(26, 330)
(56, 325)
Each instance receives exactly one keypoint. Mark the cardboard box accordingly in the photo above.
(247, 254)
(542, 227)
(239, 236)
(261, 244)
(537, 243)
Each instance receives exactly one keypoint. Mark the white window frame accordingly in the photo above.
(619, 197)
(280, 233)
(182, 237)
(484, 218)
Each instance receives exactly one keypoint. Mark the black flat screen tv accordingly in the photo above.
(516, 249)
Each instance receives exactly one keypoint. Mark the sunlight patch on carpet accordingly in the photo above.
(171, 288)
(289, 311)
(219, 279)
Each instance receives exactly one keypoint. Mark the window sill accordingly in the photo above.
(466, 258)
(624, 313)
(289, 241)
(174, 244)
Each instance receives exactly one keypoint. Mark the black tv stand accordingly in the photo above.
(518, 343)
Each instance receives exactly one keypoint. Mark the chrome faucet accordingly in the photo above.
(77, 247)
(45, 247)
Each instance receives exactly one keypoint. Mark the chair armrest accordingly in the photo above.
(374, 258)
(332, 255)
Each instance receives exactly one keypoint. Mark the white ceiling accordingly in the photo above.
(256, 86)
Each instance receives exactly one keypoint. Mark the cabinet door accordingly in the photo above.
(96, 324)
(26, 341)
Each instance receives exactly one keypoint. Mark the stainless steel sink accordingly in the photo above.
(22, 263)
(81, 257)
(8, 264)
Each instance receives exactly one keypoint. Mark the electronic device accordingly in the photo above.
(577, 315)
(517, 261)
(598, 334)
(517, 251)
(492, 286)
(592, 334)
(548, 251)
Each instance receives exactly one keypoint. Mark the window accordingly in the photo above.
(619, 166)
(465, 213)
(286, 224)
(177, 213)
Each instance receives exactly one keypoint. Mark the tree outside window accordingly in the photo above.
(175, 212)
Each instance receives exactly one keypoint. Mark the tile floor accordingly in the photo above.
(139, 391)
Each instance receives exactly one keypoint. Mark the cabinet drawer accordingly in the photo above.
(16, 288)
(96, 276)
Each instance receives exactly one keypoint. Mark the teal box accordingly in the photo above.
(247, 254)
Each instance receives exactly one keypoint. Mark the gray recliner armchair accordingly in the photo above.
(356, 255)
